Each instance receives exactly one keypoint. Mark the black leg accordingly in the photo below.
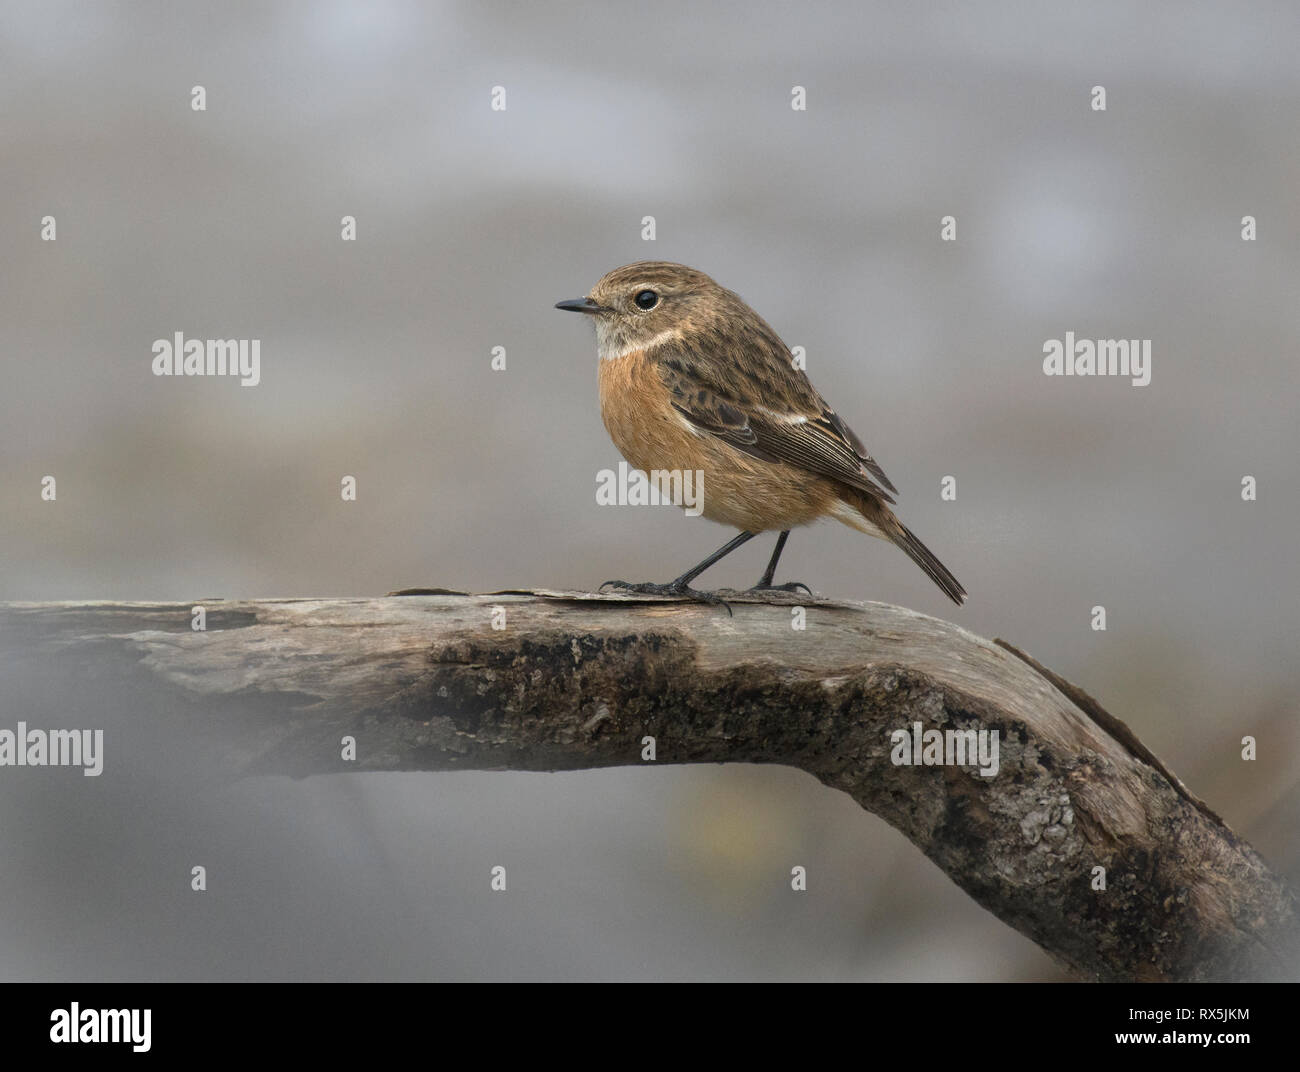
(717, 556)
(765, 582)
(682, 585)
(770, 572)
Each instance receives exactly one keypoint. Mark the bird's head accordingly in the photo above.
(641, 305)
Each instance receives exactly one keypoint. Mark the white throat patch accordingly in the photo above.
(631, 348)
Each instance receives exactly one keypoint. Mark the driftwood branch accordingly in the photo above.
(578, 680)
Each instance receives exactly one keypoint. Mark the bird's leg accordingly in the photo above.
(765, 582)
(682, 585)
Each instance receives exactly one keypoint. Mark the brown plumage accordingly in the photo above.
(691, 378)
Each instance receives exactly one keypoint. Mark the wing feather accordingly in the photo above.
(770, 411)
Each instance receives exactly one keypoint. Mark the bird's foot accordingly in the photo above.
(790, 586)
(672, 588)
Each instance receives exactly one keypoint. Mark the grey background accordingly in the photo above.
(472, 223)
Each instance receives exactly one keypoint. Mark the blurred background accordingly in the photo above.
(376, 362)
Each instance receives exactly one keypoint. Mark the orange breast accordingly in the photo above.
(738, 489)
(638, 414)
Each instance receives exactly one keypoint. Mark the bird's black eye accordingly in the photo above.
(646, 299)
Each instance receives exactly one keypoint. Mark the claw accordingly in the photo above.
(791, 586)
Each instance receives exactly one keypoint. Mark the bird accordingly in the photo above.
(691, 379)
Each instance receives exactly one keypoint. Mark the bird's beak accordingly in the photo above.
(580, 305)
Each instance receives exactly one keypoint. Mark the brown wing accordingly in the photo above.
(711, 412)
(858, 448)
(770, 410)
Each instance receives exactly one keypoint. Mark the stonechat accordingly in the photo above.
(692, 379)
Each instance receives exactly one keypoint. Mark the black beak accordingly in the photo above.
(580, 305)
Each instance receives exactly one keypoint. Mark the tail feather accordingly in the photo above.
(924, 557)
(868, 514)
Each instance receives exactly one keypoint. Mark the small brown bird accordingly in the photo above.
(693, 380)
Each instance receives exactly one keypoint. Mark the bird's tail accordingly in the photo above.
(924, 557)
(870, 515)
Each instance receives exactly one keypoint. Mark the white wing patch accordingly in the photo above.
(784, 418)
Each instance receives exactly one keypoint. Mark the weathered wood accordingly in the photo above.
(577, 680)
